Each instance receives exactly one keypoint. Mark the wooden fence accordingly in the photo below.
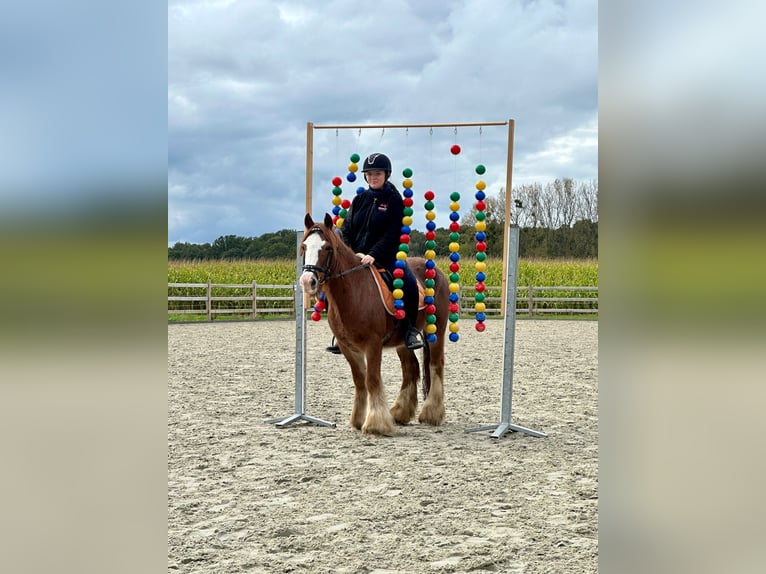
(205, 301)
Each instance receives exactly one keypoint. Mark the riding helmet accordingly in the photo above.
(377, 161)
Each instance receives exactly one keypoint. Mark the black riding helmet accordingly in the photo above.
(377, 161)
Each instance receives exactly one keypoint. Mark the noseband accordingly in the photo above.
(326, 270)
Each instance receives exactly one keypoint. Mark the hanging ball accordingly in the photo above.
(336, 181)
(480, 307)
(454, 206)
(480, 287)
(455, 149)
(454, 226)
(454, 267)
(480, 205)
(454, 308)
(400, 314)
(336, 200)
(352, 167)
(431, 338)
(359, 190)
(345, 204)
(481, 185)
(407, 183)
(454, 337)
(354, 158)
(454, 196)
(480, 169)
(430, 328)
(316, 316)
(454, 288)
(398, 294)
(480, 326)
(430, 309)
(481, 226)
(337, 190)
(429, 205)
(319, 306)
(430, 216)
(455, 216)
(351, 176)
(398, 273)
(429, 195)
(407, 172)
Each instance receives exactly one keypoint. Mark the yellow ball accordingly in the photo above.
(454, 206)
(454, 327)
(480, 266)
(406, 220)
(454, 287)
(397, 293)
(336, 200)
(430, 254)
(352, 167)
(430, 215)
(428, 291)
(430, 328)
(481, 226)
(401, 255)
(454, 247)
(480, 185)
(407, 183)
(480, 307)
(339, 223)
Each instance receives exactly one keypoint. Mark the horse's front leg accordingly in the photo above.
(406, 402)
(359, 374)
(379, 420)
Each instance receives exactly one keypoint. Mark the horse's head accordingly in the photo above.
(317, 251)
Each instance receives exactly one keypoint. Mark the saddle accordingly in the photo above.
(385, 283)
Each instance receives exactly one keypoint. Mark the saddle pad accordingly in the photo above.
(385, 293)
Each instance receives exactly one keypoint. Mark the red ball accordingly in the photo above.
(400, 314)
(455, 149)
(404, 238)
(316, 316)
(345, 204)
(398, 273)
(430, 309)
(336, 181)
(454, 226)
(481, 246)
(480, 287)
(454, 266)
(319, 306)
(408, 202)
(480, 327)
(335, 220)
(430, 235)
(429, 195)
(430, 273)
(480, 205)
(454, 308)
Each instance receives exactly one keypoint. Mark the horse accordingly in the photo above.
(363, 328)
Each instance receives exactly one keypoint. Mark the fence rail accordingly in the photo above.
(255, 300)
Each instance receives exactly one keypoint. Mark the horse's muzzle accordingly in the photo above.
(309, 282)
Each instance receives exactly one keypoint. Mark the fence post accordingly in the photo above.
(255, 312)
(208, 303)
(531, 300)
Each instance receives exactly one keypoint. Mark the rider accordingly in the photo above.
(372, 228)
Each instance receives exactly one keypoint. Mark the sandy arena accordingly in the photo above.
(246, 496)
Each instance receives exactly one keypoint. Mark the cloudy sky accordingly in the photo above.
(245, 77)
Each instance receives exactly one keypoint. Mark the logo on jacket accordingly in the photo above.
(383, 207)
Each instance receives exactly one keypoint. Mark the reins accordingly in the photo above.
(325, 271)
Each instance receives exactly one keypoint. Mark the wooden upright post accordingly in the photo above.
(508, 199)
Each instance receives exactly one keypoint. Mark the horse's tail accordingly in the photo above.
(426, 378)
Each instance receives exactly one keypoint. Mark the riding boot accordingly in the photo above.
(333, 348)
(413, 337)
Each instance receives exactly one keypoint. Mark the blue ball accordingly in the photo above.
(431, 338)
(398, 303)
(428, 300)
(351, 176)
(454, 215)
(359, 190)
(336, 210)
(454, 297)
(407, 192)
(406, 230)
(480, 317)
(431, 226)
(400, 263)
(454, 337)
(480, 195)
(480, 276)
(430, 264)
(481, 236)
(454, 256)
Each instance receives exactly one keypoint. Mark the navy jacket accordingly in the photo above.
(373, 224)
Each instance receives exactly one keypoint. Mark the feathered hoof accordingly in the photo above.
(379, 425)
(431, 415)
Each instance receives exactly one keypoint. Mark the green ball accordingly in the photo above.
(407, 172)
(337, 190)
(481, 256)
(408, 211)
(429, 205)
(430, 244)
(404, 247)
(398, 283)
(453, 317)
(354, 158)
(454, 196)
(454, 277)
(429, 283)
(480, 215)
(479, 297)
(430, 319)
(454, 236)
(480, 169)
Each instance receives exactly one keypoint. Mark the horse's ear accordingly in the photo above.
(328, 220)
(308, 222)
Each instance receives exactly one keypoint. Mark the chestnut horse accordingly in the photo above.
(363, 327)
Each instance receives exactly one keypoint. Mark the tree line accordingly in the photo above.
(556, 220)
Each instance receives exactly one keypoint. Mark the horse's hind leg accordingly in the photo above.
(406, 402)
(432, 412)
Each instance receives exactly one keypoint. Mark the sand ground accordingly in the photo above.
(246, 496)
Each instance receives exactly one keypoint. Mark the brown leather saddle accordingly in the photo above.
(383, 281)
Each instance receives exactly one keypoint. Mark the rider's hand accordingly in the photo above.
(366, 259)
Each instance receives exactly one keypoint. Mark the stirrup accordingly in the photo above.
(333, 348)
(414, 339)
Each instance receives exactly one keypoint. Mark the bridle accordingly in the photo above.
(329, 264)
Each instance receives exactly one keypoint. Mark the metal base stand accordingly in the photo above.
(300, 362)
(505, 424)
